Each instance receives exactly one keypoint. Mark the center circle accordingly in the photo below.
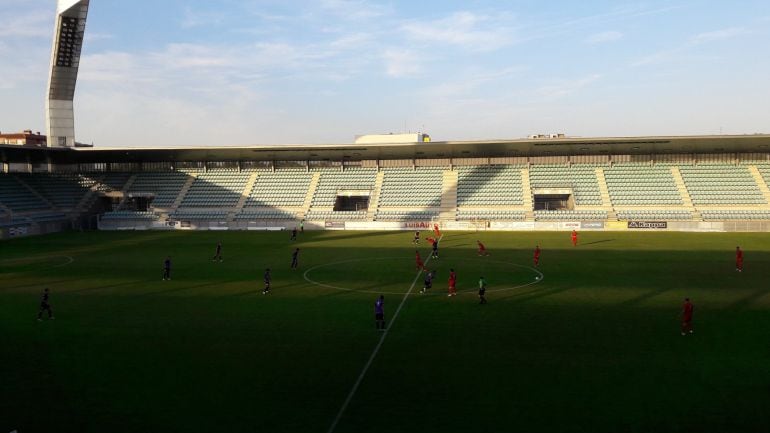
(393, 275)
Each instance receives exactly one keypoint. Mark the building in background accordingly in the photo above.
(24, 138)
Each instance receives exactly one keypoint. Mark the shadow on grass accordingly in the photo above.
(533, 294)
(598, 242)
(645, 296)
(112, 286)
(39, 284)
(746, 301)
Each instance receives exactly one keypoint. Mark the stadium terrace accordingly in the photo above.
(708, 183)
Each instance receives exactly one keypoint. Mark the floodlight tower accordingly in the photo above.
(69, 27)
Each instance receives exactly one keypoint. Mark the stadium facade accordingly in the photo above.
(704, 183)
(554, 182)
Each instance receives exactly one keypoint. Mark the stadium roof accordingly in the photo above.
(758, 143)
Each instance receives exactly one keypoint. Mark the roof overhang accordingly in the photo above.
(759, 143)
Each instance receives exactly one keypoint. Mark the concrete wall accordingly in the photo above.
(634, 226)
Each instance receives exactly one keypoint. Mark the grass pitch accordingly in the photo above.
(592, 347)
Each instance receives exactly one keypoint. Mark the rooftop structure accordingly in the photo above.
(69, 29)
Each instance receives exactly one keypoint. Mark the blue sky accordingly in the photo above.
(173, 72)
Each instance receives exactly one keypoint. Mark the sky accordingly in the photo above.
(247, 72)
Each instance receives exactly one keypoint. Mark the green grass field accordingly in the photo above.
(593, 347)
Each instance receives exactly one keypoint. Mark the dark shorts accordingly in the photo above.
(428, 285)
(379, 316)
(45, 306)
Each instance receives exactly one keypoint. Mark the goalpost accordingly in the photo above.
(480, 224)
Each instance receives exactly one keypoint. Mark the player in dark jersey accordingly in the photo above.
(295, 259)
(379, 313)
(482, 290)
(218, 253)
(293, 234)
(167, 268)
(416, 238)
(268, 278)
(434, 254)
(428, 282)
(45, 305)
(536, 256)
(738, 259)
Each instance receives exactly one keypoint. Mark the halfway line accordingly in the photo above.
(376, 349)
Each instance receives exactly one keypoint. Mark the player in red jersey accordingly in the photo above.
(452, 283)
(687, 309)
(418, 261)
(536, 257)
(436, 231)
(482, 249)
(574, 238)
(738, 259)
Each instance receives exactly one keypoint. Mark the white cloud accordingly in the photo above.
(599, 38)
(694, 41)
(92, 37)
(351, 41)
(466, 29)
(191, 18)
(717, 35)
(32, 24)
(561, 88)
(355, 9)
(468, 82)
(400, 63)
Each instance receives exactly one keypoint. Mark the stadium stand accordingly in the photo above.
(406, 215)
(570, 215)
(165, 186)
(215, 189)
(62, 190)
(333, 180)
(657, 215)
(651, 191)
(479, 186)
(732, 214)
(130, 215)
(641, 185)
(581, 178)
(498, 215)
(282, 188)
(411, 187)
(182, 215)
(113, 181)
(720, 184)
(17, 198)
(335, 215)
(253, 215)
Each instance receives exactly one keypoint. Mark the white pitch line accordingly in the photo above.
(376, 350)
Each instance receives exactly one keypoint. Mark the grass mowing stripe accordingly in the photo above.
(376, 349)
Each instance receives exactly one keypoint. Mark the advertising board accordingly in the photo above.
(647, 224)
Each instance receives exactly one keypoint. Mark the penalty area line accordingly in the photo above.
(376, 350)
